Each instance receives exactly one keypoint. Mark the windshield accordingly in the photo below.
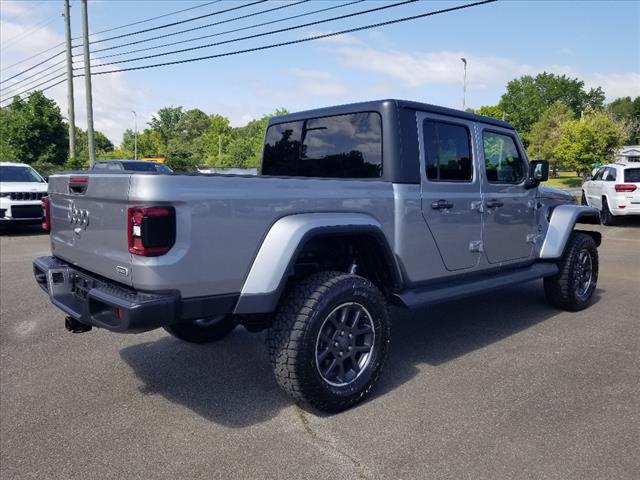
(146, 167)
(632, 175)
(13, 173)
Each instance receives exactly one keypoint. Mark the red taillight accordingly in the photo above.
(46, 214)
(79, 180)
(625, 187)
(151, 230)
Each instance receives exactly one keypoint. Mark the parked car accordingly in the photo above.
(21, 192)
(614, 190)
(356, 207)
(131, 166)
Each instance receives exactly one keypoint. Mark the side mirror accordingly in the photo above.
(539, 170)
(46, 179)
(588, 178)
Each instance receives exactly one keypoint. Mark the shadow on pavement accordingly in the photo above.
(230, 382)
(21, 230)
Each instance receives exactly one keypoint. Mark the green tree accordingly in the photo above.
(588, 140)
(528, 97)
(192, 124)
(627, 111)
(493, 111)
(165, 124)
(545, 133)
(33, 131)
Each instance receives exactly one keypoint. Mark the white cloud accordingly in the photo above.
(113, 96)
(9, 8)
(417, 69)
(317, 83)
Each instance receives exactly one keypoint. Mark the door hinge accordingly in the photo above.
(476, 246)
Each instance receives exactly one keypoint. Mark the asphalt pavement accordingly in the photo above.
(499, 386)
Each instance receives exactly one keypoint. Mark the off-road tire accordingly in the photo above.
(606, 217)
(561, 289)
(193, 332)
(293, 338)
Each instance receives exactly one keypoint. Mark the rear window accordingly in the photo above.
(632, 175)
(341, 146)
(145, 167)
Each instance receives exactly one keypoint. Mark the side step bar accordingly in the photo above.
(453, 290)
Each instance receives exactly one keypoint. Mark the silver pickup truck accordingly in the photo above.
(356, 207)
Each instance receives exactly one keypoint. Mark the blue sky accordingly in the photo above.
(598, 42)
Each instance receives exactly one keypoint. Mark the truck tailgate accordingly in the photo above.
(89, 223)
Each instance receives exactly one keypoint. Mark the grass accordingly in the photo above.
(565, 180)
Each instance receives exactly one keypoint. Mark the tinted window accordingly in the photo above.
(502, 160)
(146, 167)
(342, 146)
(610, 175)
(13, 173)
(448, 152)
(632, 175)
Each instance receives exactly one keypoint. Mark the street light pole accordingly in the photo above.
(464, 84)
(135, 134)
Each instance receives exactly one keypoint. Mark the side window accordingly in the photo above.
(447, 152)
(502, 160)
(610, 175)
(340, 146)
(598, 175)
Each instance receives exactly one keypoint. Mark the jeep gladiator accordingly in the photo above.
(356, 207)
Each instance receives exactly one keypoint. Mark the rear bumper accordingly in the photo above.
(106, 304)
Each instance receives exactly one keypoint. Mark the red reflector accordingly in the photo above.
(625, 188)
(119, 313)
(46, 214)
(78, 179)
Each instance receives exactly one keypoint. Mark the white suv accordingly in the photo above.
(21, 192)
(614, 190)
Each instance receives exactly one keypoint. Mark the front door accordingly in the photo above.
(509, 220)
(450, 189)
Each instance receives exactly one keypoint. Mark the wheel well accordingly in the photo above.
(364, 251)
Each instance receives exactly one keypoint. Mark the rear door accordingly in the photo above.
(509, 225)
(450, 188)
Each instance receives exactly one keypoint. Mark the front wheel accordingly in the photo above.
(204, 330)
(329, 340)
(573, 286)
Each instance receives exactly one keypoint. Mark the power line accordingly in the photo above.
(273, 32)
(150, 19)
(32, 56)
(18, 85)
(34, 89)
(244, 5)
(301, 40)
(33, 66)
(204, 26)
(17, 82)
(221, 33)
(30, 31)
(109, 30)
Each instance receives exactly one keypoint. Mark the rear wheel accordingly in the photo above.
(573, 286)
(329, 340)
(204, 330)
(606, 217)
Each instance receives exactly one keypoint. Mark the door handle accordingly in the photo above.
(441, 205)
(494, 203)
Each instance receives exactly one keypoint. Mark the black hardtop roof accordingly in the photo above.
(378, 105)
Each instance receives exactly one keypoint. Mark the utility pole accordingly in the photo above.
(135, 134)
(87, 83)
(464, 84)
(71, 110)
